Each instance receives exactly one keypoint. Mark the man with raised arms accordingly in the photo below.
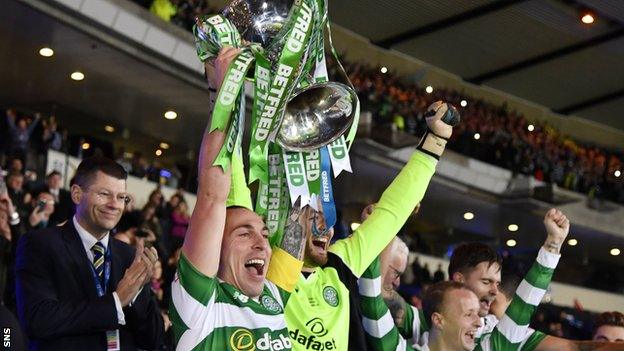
(323, 311)
(465, 323)
(222, 296)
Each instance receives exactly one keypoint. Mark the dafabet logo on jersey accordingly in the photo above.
(243, 340)
(314, 341)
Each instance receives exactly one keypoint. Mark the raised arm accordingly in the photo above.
(202, 244)
(401, 197)
(379, 327)
(512, 330)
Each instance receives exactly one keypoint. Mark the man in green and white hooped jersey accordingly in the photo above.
(323, 311)
(452, 309)
(222, 296)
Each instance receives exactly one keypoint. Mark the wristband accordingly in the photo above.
(432, 144)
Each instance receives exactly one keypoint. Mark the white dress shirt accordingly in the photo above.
(88, 241)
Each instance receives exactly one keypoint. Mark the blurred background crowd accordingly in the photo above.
(491, 133)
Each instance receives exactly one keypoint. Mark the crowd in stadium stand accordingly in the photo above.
(161, 223)
(504, 137)
(505, 140)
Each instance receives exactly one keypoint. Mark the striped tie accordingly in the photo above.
(98, 259)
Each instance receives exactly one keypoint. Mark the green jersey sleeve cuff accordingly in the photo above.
(201, 287)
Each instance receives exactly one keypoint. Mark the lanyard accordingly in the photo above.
(101, 290)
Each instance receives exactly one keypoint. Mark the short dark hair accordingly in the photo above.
(466, 256)
(14, 174)
(88, 168)
(614, 318)
(54, 173)
(434, 297)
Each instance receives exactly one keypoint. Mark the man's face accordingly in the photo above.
(391, 275)
(15, 182)
(100, 204)
(318, 237)
(460, 319)
(483, 280)
(245, 251)
(54, 181)
(611, 333)
(16, 164)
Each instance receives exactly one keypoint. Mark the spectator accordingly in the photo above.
(64, 207)
(179, 223)
(157, 285)
(9, 231)
(610, 327)
(82, 301)
(42, 209)
(157, 200)
(123, 160)
(426, 274)
(19, 197)
(438, 276)
(20, 131)
(163, 9)
(139, 165)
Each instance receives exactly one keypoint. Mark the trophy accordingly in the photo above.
(298, 113)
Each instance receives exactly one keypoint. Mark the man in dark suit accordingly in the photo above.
(64, 207)
(78, 288)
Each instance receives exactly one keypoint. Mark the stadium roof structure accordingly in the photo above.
(538, 50)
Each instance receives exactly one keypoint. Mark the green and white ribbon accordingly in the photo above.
(277, 196)
(312, 161)
(296, 177)
(282, 83)
(212, 33)
(231, 101)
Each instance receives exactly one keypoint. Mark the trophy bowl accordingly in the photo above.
(316, 116)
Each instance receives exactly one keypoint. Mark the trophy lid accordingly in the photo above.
(258, 21)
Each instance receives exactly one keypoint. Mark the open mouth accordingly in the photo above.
(471, 335)
(255, 266)
(485, 304)
(320, 242)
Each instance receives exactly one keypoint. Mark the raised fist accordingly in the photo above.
(557, 226)
(441, 117)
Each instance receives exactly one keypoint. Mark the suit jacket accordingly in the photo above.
(57, 300)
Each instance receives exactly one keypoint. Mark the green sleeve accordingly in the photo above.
(530, 343)
(379, 327)
(199, 286)
(396, 204)
(414, 324)
(239, 192)
(512, 331)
